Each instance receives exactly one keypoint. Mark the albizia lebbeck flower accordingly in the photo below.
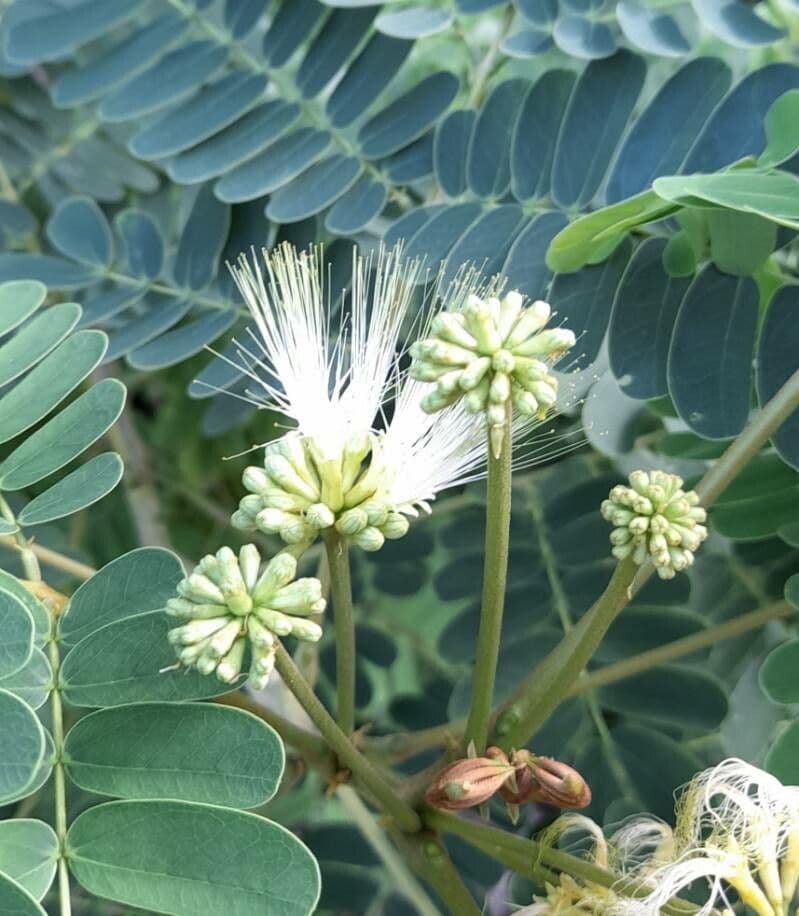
(346, 464)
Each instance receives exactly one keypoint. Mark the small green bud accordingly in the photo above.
(370, 539)
(352, 521)
(319, 516)
(230, 667)
(395, 526)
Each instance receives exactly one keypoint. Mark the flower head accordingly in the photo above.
(229, 601)
(654, 518)
(491, 353)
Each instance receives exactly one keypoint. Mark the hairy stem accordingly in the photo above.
(370, 778)
(338, 564)
(495, 572)
(401, 875)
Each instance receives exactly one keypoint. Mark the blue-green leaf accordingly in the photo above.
(450, 147)
(190, 751)
(713, 339)
(16, 634)
(81, 488)
(142, 243)
(653, 32)
(138, 582)
(28, 855)
(31, 683)
(777, 360)
(38, 338)
(315, 189)
(488, 161)
(202, 240)
(54, 273)
(331, 48)
(78, 228)
(178, 345)
(584, 38)
(144, 853)
(22, 746)
(736, 23)
(15, 900)
(19, 299)
(64, 437)
(357, 207)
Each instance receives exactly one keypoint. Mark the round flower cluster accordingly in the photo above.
(654, 518)
(228, 602)
(492, 353)
(299, 492)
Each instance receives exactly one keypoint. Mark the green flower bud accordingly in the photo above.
(242, 521)
(320, 516)
(395, 526)
(229, 667)
(369, 539)
(352, 521)
(655, 520)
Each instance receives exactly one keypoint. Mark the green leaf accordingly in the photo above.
(574, 246)
(130, 661)
(779, 674)
(33, 682)
(190, 751)
(64, 437)
(81, 488)
(42, 772)
(50, 382)
(782, 759)
(29, 854)
(672, 694)
(782, 130)
(16, 634)
(41, 619)
(18, 300)
(140, 581)
(36, 340)
(15, 900)
(740, 243)
(22, 745)
(7, 527)
(184, 859)
(773, 195)
(792, 590)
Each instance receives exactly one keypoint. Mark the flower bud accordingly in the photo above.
(467, 783)
(554, 783)
(369, 539)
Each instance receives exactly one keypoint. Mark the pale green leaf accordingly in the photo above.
(782, 130)
(28, 854)
(15, 900)
(22, 745)
(16, 634)
(18, 300)
(33, 682)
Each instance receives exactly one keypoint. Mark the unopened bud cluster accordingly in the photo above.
(229, 601)
(493, 353)
(300, 491)
(654, 518)
(519, 777)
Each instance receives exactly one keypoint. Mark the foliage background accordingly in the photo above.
(143, 144)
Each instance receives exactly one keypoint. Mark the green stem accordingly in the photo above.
(430, 859)
(401, 875)
(59, 780)
(29, 562)
(679, 648)
(495, 571)
(51, 558)
(338, 564)
(506, 847)
(371, 779)
(545, 687)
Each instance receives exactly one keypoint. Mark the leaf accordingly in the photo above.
(64, 437)
(672, 694)
(414, 22)
(78, 228)
(773, 195)
(779, 674)
(19, 299)
(486, 242)
(55, 273)
(76, 491)
(776, 362)
(713, 339)
(586, 143)
(782, 132)
(575, 245)
(202, 240)
(190, 751)
(644, 311)
(736, 23)
(436, 236)
(163, 312)
(331, 48)
(740, 243)
(525, 266)
(180, 858)
(213, 108)
(41, 618)
(175, 76)
(655, 33)
(16, 634)
(130, 661)
(450, 146)
(665, 131)
(15, 900)
(782, 759)
(488, 159)
(583, 38)
(45, 386)
(179, 344)
(22, 746)
(28, 854)
(142, 243)
(36, 339)
(408, 116)
(138, 582)
(315, 189)
(357, 207)
(31, 683)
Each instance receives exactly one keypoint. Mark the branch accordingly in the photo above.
(338, 565)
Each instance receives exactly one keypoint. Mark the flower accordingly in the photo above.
(229, 601)
(737, 827)
(547, 781)
(469, 782)
(491, 353)
(654, 518)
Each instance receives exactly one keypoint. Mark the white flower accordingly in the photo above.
(332, 388)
